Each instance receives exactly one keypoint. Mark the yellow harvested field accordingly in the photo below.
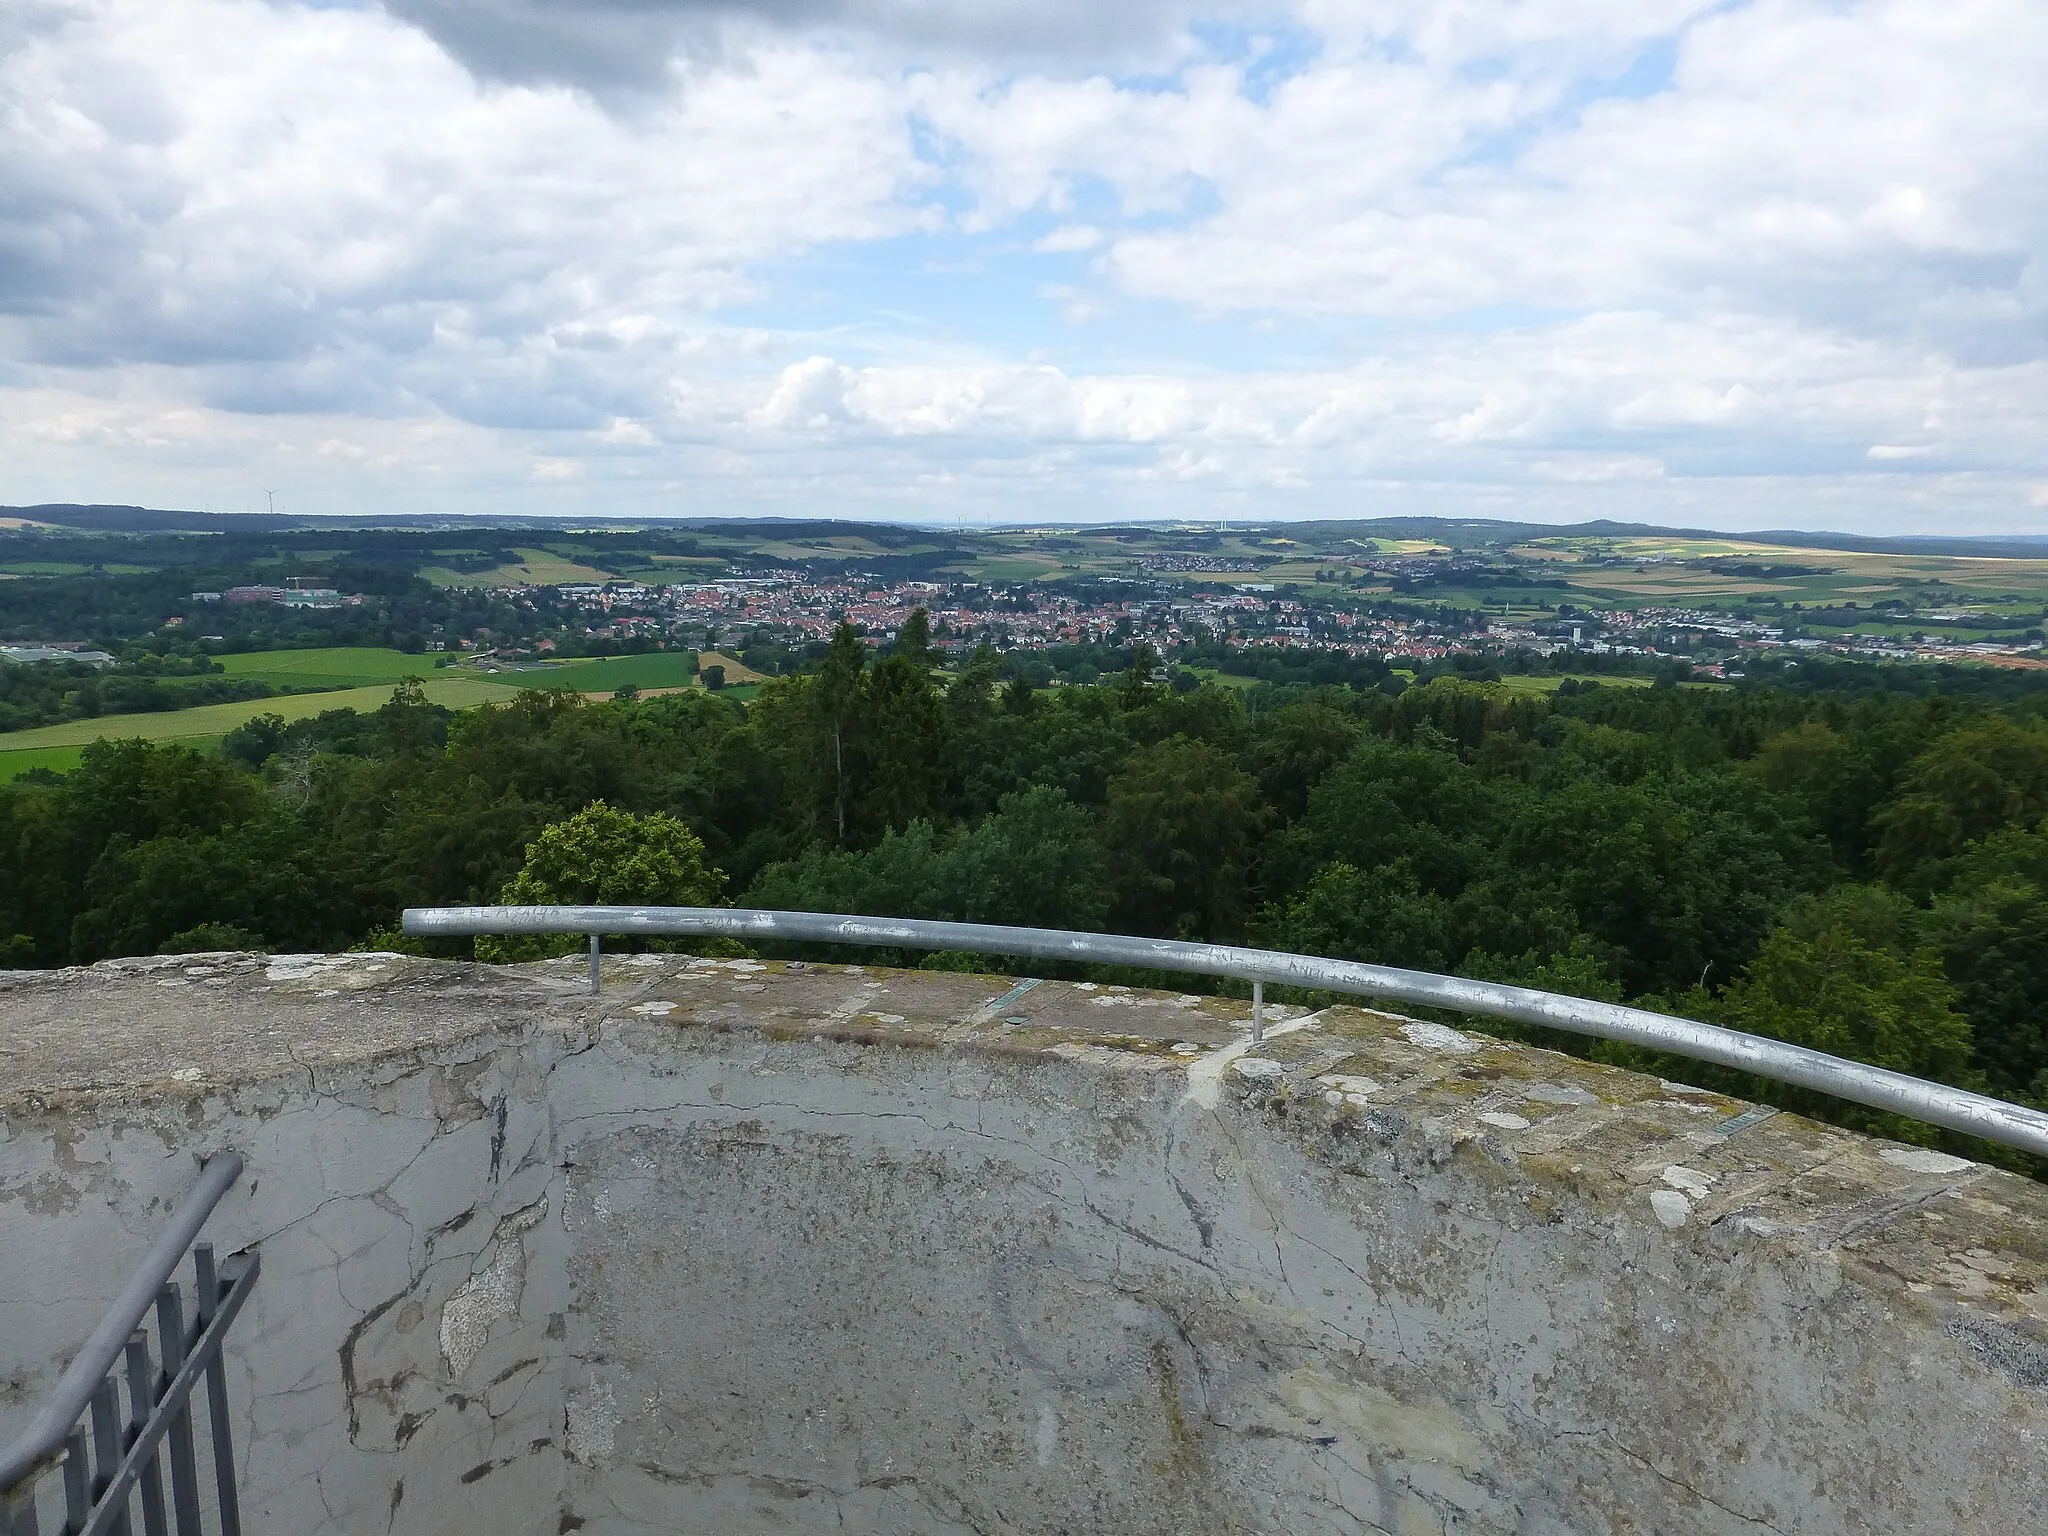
(1410, 547)
(736, 671)
(1017, 567)
(536, 568)
(836, 547)
(605, 696)
(1674, 584)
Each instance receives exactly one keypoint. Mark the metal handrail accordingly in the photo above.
(1939, 1104)
(103, 1468)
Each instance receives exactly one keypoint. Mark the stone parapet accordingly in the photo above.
(751, 1246)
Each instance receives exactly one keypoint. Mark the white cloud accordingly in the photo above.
(1596, 469)
(809, 396)
(315, 209)
(614, 47)
(1544, 254)
(1069, 237)
(626, 434)
(1512, 404)
(1876, 165)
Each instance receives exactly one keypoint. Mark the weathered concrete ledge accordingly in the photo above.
(742, 1246)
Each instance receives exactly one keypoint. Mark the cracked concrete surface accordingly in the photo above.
(743, 1246)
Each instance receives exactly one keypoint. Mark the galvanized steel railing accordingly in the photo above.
(113, 1464)
(1935, 1103)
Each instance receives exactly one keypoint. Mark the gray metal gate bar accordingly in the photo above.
(103, 1470)
(228, 1508)
(172, 1417)
(141, 1397)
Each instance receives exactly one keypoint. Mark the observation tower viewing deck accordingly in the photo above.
(748, 1246)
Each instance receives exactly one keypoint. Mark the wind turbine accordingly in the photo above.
(271, 497)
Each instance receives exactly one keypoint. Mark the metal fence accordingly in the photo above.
(111, 1460)
(1934, 1103)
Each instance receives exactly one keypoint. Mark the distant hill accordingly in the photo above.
(117, 519)
(106, 518)
(2015, 546)
(1454, 532)
(1461, 532)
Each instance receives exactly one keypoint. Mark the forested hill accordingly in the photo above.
(1863, 874)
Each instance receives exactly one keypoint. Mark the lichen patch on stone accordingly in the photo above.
(1921, 1160)
(1671, 1207)
(1437, 1037)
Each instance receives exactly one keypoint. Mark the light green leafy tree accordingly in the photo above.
(604, 857)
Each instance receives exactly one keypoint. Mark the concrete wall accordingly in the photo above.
(763, 1248)
(395, 1189)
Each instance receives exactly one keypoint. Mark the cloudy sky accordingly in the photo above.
(1738, 263)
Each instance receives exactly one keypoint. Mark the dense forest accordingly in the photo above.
(1864, 870)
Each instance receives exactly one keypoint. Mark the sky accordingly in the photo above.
(1712, 263)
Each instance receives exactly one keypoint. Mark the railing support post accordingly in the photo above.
(1258, 1013)
(596, 948)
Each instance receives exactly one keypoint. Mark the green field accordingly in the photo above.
(217, 719)
(1222, 679)
(64, 568)
(658, 669)
(357, 677)
(361, 666)
(42, 568)
(337, 666)
(1516, 683)
(62, 759)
